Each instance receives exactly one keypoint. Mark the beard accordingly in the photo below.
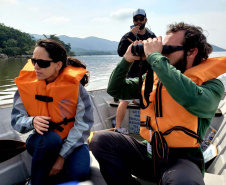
(141, 26)
(181, 63)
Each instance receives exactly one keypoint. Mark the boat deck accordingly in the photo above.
(17, 169)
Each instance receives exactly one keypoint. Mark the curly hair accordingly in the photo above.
(58, 53)
(193, 38)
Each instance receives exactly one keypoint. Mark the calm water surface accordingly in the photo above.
(100, 68)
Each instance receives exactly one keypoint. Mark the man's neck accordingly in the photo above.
(142, 32)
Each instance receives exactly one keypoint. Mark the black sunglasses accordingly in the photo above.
(41, 63)
(167, 49)
(138, 18)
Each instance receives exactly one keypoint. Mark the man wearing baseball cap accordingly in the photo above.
(137, 32)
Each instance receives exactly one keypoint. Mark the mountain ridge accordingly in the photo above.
(91, 43)
(86, 44)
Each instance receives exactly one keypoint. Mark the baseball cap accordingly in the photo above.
(139, 12)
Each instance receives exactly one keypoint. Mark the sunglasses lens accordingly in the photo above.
(138, 18)
(41, 63)
(141, 18)
(167, 49)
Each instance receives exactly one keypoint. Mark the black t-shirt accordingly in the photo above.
(123, 45)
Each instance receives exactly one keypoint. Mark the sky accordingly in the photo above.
(111, 19)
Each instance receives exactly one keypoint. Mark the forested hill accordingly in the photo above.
(14, 42)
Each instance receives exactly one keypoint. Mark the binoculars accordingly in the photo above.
(138, 49)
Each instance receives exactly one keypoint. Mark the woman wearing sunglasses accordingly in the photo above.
(52, 101)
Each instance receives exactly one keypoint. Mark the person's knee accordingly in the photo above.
(180, 180)
(178, 177)
(124, 103)
(50, 140)
(98, 141)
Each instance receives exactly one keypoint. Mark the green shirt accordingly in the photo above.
(200, 100)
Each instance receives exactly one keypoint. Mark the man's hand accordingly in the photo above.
(58, 166)
(128, 56)
(152, 45)
(40, 124)
(135, 30)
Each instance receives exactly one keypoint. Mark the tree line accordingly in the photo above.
(13, 42)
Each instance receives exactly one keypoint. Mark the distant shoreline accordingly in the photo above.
(29, 56)
(4, 56)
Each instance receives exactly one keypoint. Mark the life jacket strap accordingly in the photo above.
(185, 130)
(158, 100)
(148, 84)
(160, 153)
(53, 125)
(160, 148)
(44, 98)
(66, 121)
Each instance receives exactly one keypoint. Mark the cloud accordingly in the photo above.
(57, 20)
(33, 8)
(101, 19)
(122, 14)
(118, 15)
(8, 2)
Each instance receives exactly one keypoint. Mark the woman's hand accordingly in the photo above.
(58, 166)
(41, 124)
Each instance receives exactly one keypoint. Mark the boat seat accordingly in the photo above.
(216, 172)
(115, 103)
(130, 106)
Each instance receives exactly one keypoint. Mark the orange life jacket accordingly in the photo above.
(57, 100)
(164, 113)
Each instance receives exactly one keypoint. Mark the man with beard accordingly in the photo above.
(137, 32)
(175, 116)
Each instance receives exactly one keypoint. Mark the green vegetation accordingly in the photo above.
(13, 42)
(66, 46)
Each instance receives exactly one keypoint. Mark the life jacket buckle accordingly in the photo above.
(148, 123)
(53, 125)
(44, 98)
(65, 121)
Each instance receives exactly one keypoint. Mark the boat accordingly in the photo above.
(17, 168)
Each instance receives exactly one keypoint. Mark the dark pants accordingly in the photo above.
(45, 150)
(121, 156)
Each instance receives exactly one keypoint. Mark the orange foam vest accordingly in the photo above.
(173, 114)
(58, 99)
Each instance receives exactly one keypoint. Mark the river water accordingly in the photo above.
(100, 67)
